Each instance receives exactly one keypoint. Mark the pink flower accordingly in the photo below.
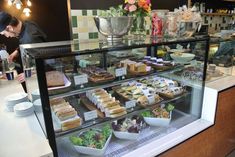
(132, 8)
(131, 1)
(127, 7)
(148, 2)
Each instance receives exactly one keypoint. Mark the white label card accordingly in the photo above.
(81, 79)
(120, 72)
(151, 99)
(90, 115)
(130, 104)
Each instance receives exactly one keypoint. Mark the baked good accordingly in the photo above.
(117, 114)
(66, 113)
(56, 101)
(71, 123)
(55, 78)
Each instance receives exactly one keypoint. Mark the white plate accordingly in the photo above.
(23, 109)
(66, 82)
(35, 95)
(158, 121)
(126, 135)
(93, 151)
(24, 106)
(37, 105)
(16, 97)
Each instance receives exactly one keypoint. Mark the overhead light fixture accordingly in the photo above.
(27, 11)
(29, 3)
(10, 2)
(18, 4)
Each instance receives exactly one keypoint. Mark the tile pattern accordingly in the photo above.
(83, 26)
(217, 23)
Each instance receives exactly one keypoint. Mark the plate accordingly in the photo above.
(23, 109)
(93, 151)
(66, 82)
(126, 135)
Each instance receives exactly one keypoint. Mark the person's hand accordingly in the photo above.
(13, 56)
(21, 77)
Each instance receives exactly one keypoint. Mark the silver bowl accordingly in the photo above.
(113, 28)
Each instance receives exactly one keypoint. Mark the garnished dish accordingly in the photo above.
(92, 142)
(128, 128)
(160, 116)
(140, 92)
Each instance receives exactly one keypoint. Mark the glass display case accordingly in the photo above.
(115, 99)
(220, 58)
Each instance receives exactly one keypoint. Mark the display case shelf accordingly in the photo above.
(135, 111)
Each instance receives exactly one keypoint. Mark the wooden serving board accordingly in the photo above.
(90, 106)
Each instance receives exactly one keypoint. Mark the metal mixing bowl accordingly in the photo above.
(113, 28)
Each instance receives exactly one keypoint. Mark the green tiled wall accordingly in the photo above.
(83, 25)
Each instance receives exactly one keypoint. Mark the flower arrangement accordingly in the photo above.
(137, 7)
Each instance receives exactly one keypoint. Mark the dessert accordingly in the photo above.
(55, 78)
(133, 66)
(97, 74)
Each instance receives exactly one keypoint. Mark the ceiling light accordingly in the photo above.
(27, 11)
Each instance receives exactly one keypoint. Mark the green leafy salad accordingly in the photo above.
(93, 138)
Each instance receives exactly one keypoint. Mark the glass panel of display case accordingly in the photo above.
(136, 92)
(221, 58)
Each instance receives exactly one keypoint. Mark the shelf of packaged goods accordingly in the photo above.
(217, 14)
(97, 122)
(111, 84)
(118, 147)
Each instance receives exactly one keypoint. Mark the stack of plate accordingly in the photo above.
(35, 95)
(14, 99)
(37, 105)
(23, 109)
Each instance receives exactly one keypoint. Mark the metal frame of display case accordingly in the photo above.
(39, 52)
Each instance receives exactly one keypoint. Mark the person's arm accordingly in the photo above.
(12, 57)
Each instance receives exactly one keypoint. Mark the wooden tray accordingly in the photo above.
(90, 106)
(161, 68)
(134, 73)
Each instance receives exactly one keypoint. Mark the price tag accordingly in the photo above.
(145, 91)
(130, 104)
(81, 79)
(90, 115)
(120, 72)
(151, 99)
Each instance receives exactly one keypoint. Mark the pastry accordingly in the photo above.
(71, 123)
(56, 101)
(55, 78)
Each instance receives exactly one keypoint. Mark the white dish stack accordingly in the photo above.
(23, 109)
(37, 105)
(35, 95)
(12, 100)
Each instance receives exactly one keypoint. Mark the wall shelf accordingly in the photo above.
(217, 14)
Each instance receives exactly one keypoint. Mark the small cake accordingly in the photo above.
(55, 78)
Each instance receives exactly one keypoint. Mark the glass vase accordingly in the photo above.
(138, 28)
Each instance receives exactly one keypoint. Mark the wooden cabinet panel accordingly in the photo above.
(216, 141)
